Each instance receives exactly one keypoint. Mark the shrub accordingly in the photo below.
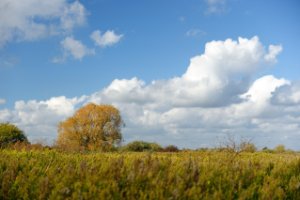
(141, 146)
(280, 149)
(247, 147)
(267, 150)
(171, 148)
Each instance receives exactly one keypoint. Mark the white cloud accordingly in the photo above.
(274, 50)
(39, 119)
(74, 48)
(262, 89)
(2, 101)
(108, 38)
(215, 96)
(73, 15)
(257, 98)
(215, 6)
(215, 78)
(5, 115)
(288, 95)
(34, 19)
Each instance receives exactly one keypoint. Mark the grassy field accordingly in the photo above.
(49, 174)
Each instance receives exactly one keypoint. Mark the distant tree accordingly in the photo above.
(141, 146)
(280, 148)
(247, 147)
(267, 150)
(92, 127)
(11, 134)
(171, 148)
(232, 144)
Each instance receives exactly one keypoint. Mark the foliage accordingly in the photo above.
(92, 127)
(185, 175)
(140, 146)
(10, 134)
(267, 150)
(171, 148)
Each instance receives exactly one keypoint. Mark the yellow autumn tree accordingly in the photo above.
(92, 127)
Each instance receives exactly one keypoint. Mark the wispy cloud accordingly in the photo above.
(2, 101)
(215, 6)
(195, 33)
(74, 48)
(108, 38)
(7, 61)
(182, 19)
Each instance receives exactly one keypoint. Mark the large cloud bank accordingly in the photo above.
(217, 95)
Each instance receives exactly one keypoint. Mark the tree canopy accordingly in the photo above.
(10, 134)
(92, 127)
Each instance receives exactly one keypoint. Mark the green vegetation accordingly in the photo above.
(49, 174)
(10, 134)
(141, 146)
(79, 166)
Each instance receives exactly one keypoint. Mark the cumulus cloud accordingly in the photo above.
(216, 95)
(33, 19)
(288, 95)
(274, 50)
(215, 78)
(261, 90)
(108, 38)
(39, 119)
(74, 48)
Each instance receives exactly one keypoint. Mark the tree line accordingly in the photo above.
(96, 127)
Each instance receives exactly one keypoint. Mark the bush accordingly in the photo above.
(280, 149)
(141, 146)
(267, 150)
(247, 147)
(11, 134)
(171, 148)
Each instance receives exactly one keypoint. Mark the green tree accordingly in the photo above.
(10, 134)
(141, 146)
(92, 127)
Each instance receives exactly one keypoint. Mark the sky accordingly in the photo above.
(187, 73)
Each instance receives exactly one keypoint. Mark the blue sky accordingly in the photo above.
(47, 51)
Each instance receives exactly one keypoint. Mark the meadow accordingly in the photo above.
(50, 174)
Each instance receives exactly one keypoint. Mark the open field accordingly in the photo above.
(49, 174)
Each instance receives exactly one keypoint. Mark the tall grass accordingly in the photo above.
(50, 174)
